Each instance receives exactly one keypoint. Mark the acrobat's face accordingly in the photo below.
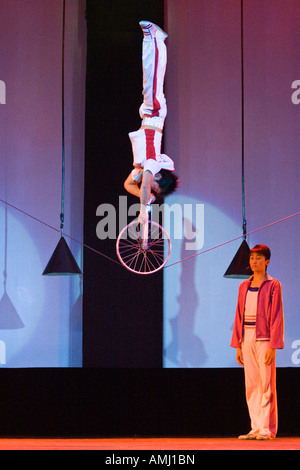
(155, 184)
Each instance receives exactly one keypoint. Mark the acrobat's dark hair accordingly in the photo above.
(168, 182)
(262, 249)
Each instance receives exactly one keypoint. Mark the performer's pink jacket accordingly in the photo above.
(269, 318)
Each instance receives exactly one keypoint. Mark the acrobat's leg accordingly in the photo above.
(146, 142)
(154, 61)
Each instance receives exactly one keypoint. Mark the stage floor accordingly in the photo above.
(165, 444)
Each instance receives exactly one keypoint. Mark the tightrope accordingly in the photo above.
(167, 266)
(233, 239)
(58, 230)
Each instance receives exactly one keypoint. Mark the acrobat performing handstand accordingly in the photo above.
(153, 174)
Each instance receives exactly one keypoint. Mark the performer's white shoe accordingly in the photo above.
(264, 437)
(152, 31)
(252, 435)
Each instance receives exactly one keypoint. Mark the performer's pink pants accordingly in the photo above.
(260, 382)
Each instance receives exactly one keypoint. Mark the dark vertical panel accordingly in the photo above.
(122, 325)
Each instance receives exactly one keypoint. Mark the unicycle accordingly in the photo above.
(143, 248)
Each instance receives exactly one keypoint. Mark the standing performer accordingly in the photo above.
(257, 333)
(152, 168)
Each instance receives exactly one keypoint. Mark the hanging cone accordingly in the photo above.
(9, 318)
(62, 261)
(239, 267)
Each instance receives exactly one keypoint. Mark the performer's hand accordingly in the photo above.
(270, 356)
(239, 357)
(137, 174)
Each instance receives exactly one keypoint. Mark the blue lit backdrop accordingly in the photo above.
(40, 317)
(203, 135)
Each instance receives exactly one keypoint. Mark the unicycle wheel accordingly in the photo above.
(143, 254)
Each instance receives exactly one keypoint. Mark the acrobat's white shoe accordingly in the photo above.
(151, 30)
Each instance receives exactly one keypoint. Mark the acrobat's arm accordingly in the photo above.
(145, 194)
(131, 186)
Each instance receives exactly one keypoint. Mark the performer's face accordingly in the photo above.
(155, 186)
(258, 262)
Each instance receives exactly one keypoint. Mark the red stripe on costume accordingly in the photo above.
(150, 149)
(156, 104)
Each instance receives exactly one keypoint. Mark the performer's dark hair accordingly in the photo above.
(168, 182)
(261, 249)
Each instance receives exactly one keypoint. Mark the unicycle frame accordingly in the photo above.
(145, 230)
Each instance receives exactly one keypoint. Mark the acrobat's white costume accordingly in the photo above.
(146, 143)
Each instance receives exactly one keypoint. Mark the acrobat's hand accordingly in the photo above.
(143, 217)
(137, 174)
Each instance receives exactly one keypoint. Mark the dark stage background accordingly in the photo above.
(122, 312)
(135, 402)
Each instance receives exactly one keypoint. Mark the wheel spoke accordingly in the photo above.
(130, 248)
